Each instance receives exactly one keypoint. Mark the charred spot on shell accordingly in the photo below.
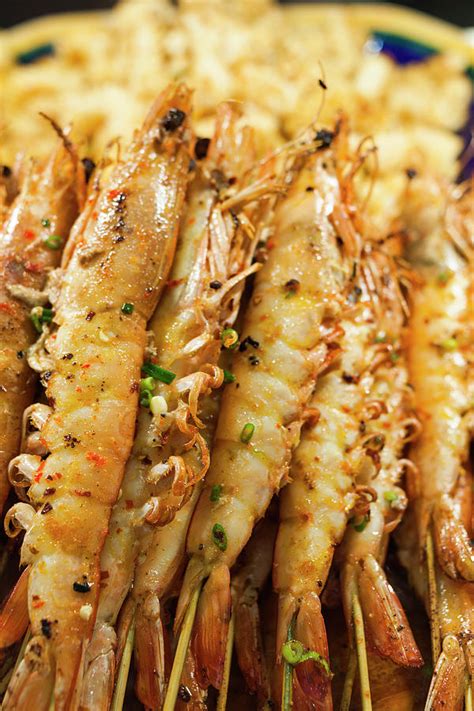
(201, 148)
(46, 628)
(173, 119)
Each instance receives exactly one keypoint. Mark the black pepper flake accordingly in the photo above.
(411, 173)
(249, 341)
(81, 587)
(201, 148)
(67, 356)
(118, 239)
(253, 360)
(309, 189)
(325, 138)
(90, 315)
(173, 119)
(355, 295)
(191, 165)
(6, 171)
(348, 378)
(46, 628)
(46, 375)
(89, 167)
(71, 441)
(184, 694)
(235, 219)
(46, 508)
(49, 491)
(20, 354)
(215, 284)
(322, 84)
(292, 285)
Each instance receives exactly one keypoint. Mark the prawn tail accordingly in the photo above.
(98, 681)
(249, 648)
(386, 624)
(451, 540)
(14, 615)
(211, 628)
(32, 683)
(448, 682)
(152, 654)
(190, 696)
(313, 677)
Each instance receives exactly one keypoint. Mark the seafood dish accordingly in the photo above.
(236, 365)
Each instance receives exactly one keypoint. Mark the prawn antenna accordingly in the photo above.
(222, 700)
(181, 650)
(123, 670)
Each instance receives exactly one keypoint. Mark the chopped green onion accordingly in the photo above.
(229, 377)
(380, 337)
(46, 222)
(449, 344)
(394, 356)
(229, 338)
(32, 55)
(294, 652)
(359, 527)
(145, 398)
(40, 315)
(147, 384)
(157, 372)
(216, 492)
(53, 241)
(445, 276)
(390, 496)
(247, 433)
(127, 308)
(219, 536)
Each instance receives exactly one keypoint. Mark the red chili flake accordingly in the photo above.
(7, 308)
(58, 475)
(104, 574)
(96, 458)
(37, 602)
(270, 244)
(29, 234)
(90, 315)
(39, 472)
(34, 268)
(81, 492)
(78, 389)
(114, 193)
(46, 508)
(129, 504)
(84, 366)
(49, 491)
(174, 282)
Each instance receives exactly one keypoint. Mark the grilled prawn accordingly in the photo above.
(111, 285)
(285, 343)
(170, 454)
(440, 360)
(31, 241)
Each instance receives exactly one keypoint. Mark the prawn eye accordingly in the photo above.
(173, 119)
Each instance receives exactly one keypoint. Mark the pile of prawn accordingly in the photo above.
(221, 390)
